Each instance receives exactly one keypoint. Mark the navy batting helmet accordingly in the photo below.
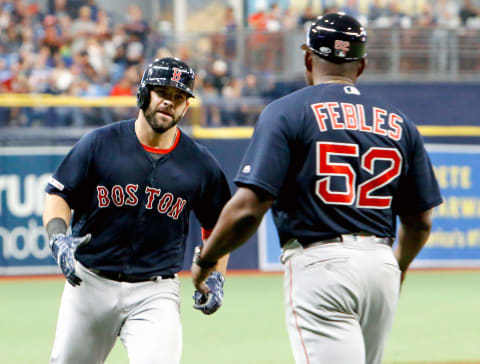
(337, 37)
(165, 72)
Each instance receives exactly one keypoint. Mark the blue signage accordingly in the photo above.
(455, 237)
(24, 172)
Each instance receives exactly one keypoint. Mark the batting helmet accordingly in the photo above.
(337, 37)
(165, 72)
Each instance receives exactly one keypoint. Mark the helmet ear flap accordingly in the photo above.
(143, 96)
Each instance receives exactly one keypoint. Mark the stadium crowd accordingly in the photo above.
(88, 51)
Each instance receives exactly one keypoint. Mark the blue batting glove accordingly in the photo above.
(212, 302)
(63, 249)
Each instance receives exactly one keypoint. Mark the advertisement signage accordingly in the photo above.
(24, 172)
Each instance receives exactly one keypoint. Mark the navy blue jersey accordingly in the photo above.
(338, 162)
(136, 207)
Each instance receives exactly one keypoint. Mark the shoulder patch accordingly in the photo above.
(56, 184)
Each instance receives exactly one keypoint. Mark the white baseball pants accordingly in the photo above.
(340, 300)
(145, 315)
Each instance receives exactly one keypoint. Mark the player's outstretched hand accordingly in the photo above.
(63, 249)
(211, 302)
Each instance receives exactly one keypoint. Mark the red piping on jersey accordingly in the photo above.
(295, 314)
(163, 151)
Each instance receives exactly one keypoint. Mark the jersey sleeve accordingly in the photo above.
(71, 175)
(214, 195)
(267, 158)
(418, 190)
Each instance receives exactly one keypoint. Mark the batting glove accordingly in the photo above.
(63, 249)
(212, 302)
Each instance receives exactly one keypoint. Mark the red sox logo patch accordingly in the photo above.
(342, 45)
(177, 74)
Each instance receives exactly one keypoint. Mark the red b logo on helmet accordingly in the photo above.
(176, 74)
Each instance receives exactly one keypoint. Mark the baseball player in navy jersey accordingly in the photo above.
(131, 186)
(337, 167)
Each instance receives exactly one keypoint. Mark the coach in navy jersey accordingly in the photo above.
(337, 166)
(131, 186)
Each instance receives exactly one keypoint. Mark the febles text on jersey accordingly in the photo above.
(347, 116)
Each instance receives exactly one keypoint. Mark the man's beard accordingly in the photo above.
(151, 120)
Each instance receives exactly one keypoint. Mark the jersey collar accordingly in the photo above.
(163, 151)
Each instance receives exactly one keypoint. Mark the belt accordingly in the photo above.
(130, 278)
(339, 239)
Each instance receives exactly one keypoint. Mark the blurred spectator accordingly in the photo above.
(59, 8)
(79, 62)
(210, 99)
(468, 11)
(444, 39)
(215, 80)
(61, 75)
(397, 16)
(289, 19)
(104, 24)
(426, 19)
(135, 50)
(376, 12)
(251, 91)
(230, 27)
(97, 56)
(52, 33)
(136, 25)
(275, 39)
(230, 111)
(5, 75)
(93, 9)
(219, 75)
(274, 19)
(82, 28)
(40, 72)
(127, 86)
(65, 24)
(351, 8)
(119, 43)
(4, 18)
(258, 40)
(11, 38)
(306, 18)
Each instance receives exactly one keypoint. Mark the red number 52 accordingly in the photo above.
(360, 192)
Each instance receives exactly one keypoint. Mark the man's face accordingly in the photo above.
(167, 106)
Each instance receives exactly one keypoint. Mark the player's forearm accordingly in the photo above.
(413, 234)
(221, 265)
(55, 207)
(232, 230)
(238, 221)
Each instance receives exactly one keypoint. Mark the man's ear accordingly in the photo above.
(308, 61)
(361, 66)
